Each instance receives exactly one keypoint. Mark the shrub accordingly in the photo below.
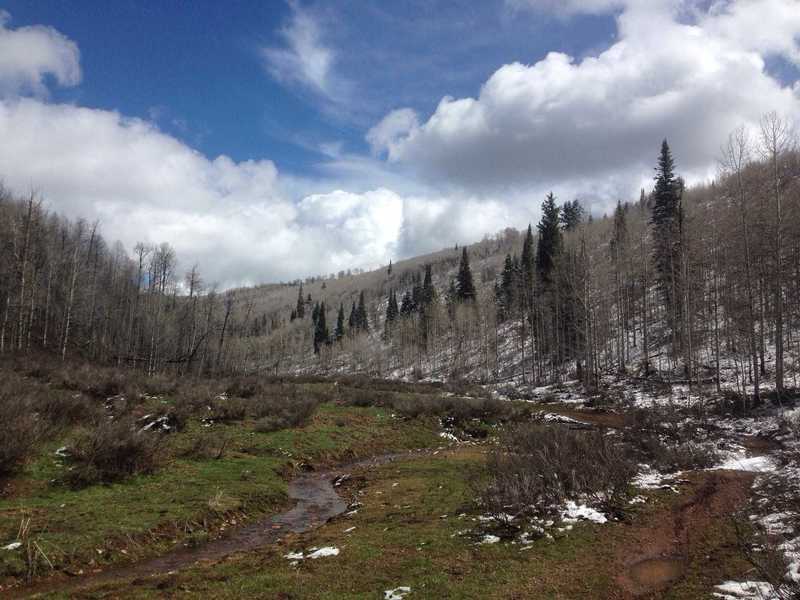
(285, 413)
(535, 469)
(227, 410)
(66, 409)
(459, 411)
(113, 451)
(19, 432)
(209, 444)
(665, 439)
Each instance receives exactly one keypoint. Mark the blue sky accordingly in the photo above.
(272, 140)
(196, 68)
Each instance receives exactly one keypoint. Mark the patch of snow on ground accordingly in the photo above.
(745, 590)
(313, 553)
(489, 539)
(12, 546)
(448, 436)
(397, 593)
(753, 464)
(650, 479)
(554, 418)
(574, 512)
(323, 552)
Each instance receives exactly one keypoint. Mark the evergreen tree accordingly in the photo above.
(339, 333)
(361, 313)
(321, 334)
(464, 285)
(416, 292)
(666, 222)
(571, 215)
(507, 289)
(315, 314)
(550, 241)
(619, 235)
(391, 310)
(428, 291)
(451, 298)
(300, 310)
(407, 304)
(389, 270)
(352, 322)
(527, 262)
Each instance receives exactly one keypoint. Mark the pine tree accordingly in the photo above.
(666, 222)
(389, 270)
(315, 314)
(527, 262)
(428, 291)
(507, 290)
(464, 285)
(571, 215)
(352, 321)
(550, 242)
(391, 309)
(407, 304)
(300, 310)
(321, 334)
(416, 293)
(293, 316)
(361, 313)
(339, 333)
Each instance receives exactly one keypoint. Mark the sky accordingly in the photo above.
(270, 140)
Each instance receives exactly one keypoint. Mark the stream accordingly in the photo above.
(316, 502)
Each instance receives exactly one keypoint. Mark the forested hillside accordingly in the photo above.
(692, 284)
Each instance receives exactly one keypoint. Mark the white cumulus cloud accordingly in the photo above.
(600, 119)
(29, 54)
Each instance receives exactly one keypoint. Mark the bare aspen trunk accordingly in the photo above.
(71, 298)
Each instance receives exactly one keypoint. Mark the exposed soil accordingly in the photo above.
(317, 501)
(658, 549)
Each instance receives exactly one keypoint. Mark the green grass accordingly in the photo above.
(407, 534)
(403, 538)
(145, 515)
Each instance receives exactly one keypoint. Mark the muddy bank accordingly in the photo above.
(659, 549)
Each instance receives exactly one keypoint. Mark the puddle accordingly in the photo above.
(656, 573)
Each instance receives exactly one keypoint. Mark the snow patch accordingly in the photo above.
(746, 590)
(323, 552)
(397, 593)
(753, 464)
(573, 512)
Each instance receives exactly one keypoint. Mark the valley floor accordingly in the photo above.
(403, 525)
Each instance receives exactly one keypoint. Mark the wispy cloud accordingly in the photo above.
(304, 60)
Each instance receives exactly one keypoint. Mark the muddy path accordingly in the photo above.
(316, 502)
(660, 549)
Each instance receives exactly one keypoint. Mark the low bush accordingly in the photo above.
(459, 411)
(284, 413)
(536, 468)
(663, 437)
(66, 409)
(20, 431)
(228, 410)
(112, 451)
(209, 445)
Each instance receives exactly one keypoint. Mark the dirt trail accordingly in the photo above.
(316, 503)
(661, 548)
